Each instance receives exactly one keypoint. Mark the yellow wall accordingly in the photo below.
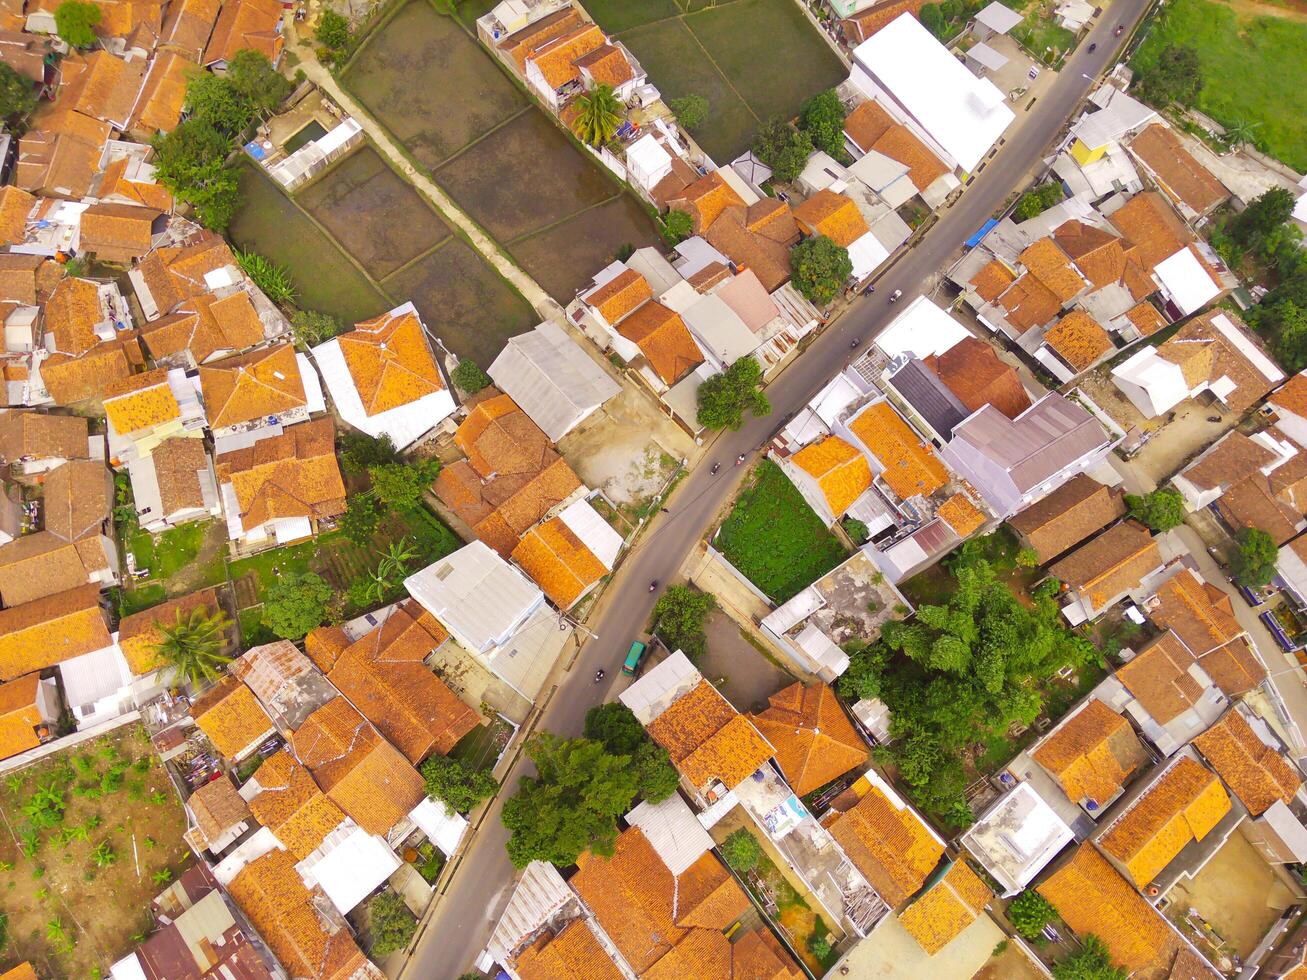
(1085, 155)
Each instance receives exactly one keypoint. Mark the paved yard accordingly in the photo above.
(750, 678)
(891, 952)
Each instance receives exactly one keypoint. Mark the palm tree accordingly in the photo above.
(195, 646)
(1239, 133)
(391, 569)
(598, 115)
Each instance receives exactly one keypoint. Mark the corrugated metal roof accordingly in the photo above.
(921, 388)
(673, 831)
(476, 595)
(1048, 436)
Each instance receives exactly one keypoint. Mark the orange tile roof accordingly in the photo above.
(833, 215)
(390, 361)
(1152, 226)
(758, 955)
(607, 65)
(947, 908)
(290, 804)
(1111, 563)
(556, 58)
(232, 717)
(841, 471)
(705, 200)
(1159, 678)
(325, 644)
(707, 739)
(139, 633)
(664, 339)
(19, 715)
(521, 44)
(1049, 264)
(889, 844)
(1199, 613)
(100, 85)
(993, 278)
(188, 26)
(140, 401)
(175, 273)
(973, 371)
(959, 513)
(294, 474)
(870, 127)
(250, 386)
(498, 437)
(911, 467)
(1094, 900)
(1092, 754)
(75, 379)
(1257, 773)
(1029, 303)
(1079, 339)
(619, 295)
(1098, 254)
(252, 24)
(23, 971)
(37, 565)
(50, 630)
(160, 106)
(71, 314)
(1177, 171)
(757, 238)
(690, 720)
(814, 741)
(573, 952)
(15, 206)
(1146, 318)
(205, 325)
(864, 23)
(558, 561)
(1184, 805)
(866, 124)
(1291, 397)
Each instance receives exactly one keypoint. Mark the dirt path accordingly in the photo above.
(191, 577)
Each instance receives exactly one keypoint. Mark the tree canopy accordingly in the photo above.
(1253, 563)
(599, 114)
(75, 22)
(724, 398)
(469, 376)
(621, 733)
(191, 162)
(213, 99)
(1161, 510)
(1029, 912)
(822, 118)
(255, 80)
(1091, 962)
(311, 328)
(332, 31)
(296, 604)
(678, 618)
(691, 111)
(783, 148)
(1176, 76)
(457, 786)
(677, 227)
(820, 268)
(194, 646)
(390, 923)
(17, 93)
(1037, 200)
(741, 850)
(401, 485)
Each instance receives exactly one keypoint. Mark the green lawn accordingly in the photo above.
(775, 539)
(1254, 70)
(167, 553)
(1040, 32)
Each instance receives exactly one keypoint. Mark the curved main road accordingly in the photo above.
(462, 920)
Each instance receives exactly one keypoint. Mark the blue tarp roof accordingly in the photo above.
(985, 229)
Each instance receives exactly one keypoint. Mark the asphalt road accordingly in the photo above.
(462, 921)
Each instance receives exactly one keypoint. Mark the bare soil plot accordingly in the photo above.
(374, 213)
(565, 257)
(463, 301)
(523, 177)
(430, 83)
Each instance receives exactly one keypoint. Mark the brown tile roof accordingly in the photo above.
(757, 245)
(707, 739)
(889, 844)
(973, 371)
(24, 53)
(772, 220)
(814, 741)
(15, 206)
(160, 106)
(1204, 354)
(1091, 754)
(503, 509)
(77, 379)
(19, 716)
(558, 561)
(664, 339)
(1235, 667)
(1291, 396)
(71, 314)
(911, 467)
(188, 26)
(50, 630)
(556, 58)
(499, 438)
(41, 435)
(60, 156)
(1184, 805)
(1068, 515)
(390, 361)
(294, 474)
(175, 273)
(1200, 614)
(364, 775)
(1257, 773)
(325, 644)
(520, 44)
(140, 633)
(959, 513)
(1146, 318)
(840, 470)
(947, 908)
(203, 326)
(992, 280)
(217, 808)
(865, 23)
(705, 200)
(140, 401)
(252, 24)
(607, 65)
(250, 386)
(290, 804)
(1176, 171)
(1250, 503)
(758, 955)
(1029, 303)
(1050, 265)
(1160, 679)
(870, 127)
(117, 232)
(1114, 562)
(18, 274)
(1094, 900)
(1234, 455)
(231, 716)
(1097, 254)
(78, 496)
(573, 952)
(38, 565)
(383, 675)
(1079, 340)
(100, 85)
(619, 295)
(180, 463)
(833, 215)
(1152, 226)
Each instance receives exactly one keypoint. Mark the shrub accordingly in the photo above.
(332, 31)
(311, 328)
(742, 851)
(469, 376)
(678, 619)
(1027, 558)
(1161, 510)
(1037, 200)
(677, 227)
(456, 785)
(819, 946)
(691, 110)
(856, 530)
(1029, 912)
(272, 278)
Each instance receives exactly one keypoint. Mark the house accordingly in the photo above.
(362, 773)
(145, 409)
(34, 442)
(956, 114)
(1289, 404)
(163, 95)
(78, 496)
(61, 159)
(172, 274)
(187, 27)
(757, 237)
(25, 53)
(383, 675)
(1091, 754)
(232, 718)
(573, 950)
(1014, 462)
(38, 565)
(1233, 458)
(286, 683)
(117, 233)
(1104, 569)
(551, 377)
(947, 907)
(219, 816)
(1202, 617)
(973, 372)
(285, 799)
(863, 18)
(1115, 115)
(203, 327)
(1211, 353)
(82, 313)
(1016, 838)
(29, 708)
(254, 24)
(1078, 341)
(833, 215)
(100, 85)
(1073, 512)
(815, 742)
(831, 474)
(578, 59)
(1193, 188)
(249, 391)
(901, 460)
(140, 634)
(280, 488)
(70, 379)
(1251, 761)
(875, 138)
(50, 630)
(662, 337)
(174, 485)
(384, 379)
(569, 554)
(706, 198)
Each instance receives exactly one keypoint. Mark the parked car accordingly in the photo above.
(633, 658)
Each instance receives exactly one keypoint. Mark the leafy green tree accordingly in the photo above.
(361, 519)
(311, 328)
(783, 148)
(741, 850)
(658, 777)
(1176, 76)
(822, 118)
(191, 162)
(270, 277)
(391, 924)
(1287, 323)
(691, 111)
(360, 452)
(1253, 563)
(332, 31)
(820, 268)
(213, 99)
(615, 725)
(678, 618)
(388, 577)
(457, 786)
(251, 74)
(598, 115)
(856, 530)
(401, 485)
(571, 805)
(17, 93)
(296, 604)
(1037, 200)
(932, 18)
(1261, 218)
(75, 22)
(469, 376)
(724, 398)
(195, 645)
(1092, 961)
(677, 227)
(1161, 510)
(1029, 912)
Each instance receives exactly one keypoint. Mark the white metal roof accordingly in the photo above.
(539, 896)
(1162, 379)
(478, 596)
(1241, 342)
(785, 617)
(443, 827)
(719, 328)
(1117, 115)
(593, 531)
(673, 831)
(986, 56)
(353, 864)
(878, 172)
(922, 330)
(94, 675)
(313, 399)
(1189, 285)
(963, 114)
(653, 693)
(998, 17)
(1017, 837)
(866, 253)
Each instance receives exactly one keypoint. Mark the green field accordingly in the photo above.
(775, 539)
(1254, 70)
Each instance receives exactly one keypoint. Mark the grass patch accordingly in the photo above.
(1253, 70)
(138, 598)
(1039, 32)
(481, 747)
(775, 539)
(167, 553)
(621, 15)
